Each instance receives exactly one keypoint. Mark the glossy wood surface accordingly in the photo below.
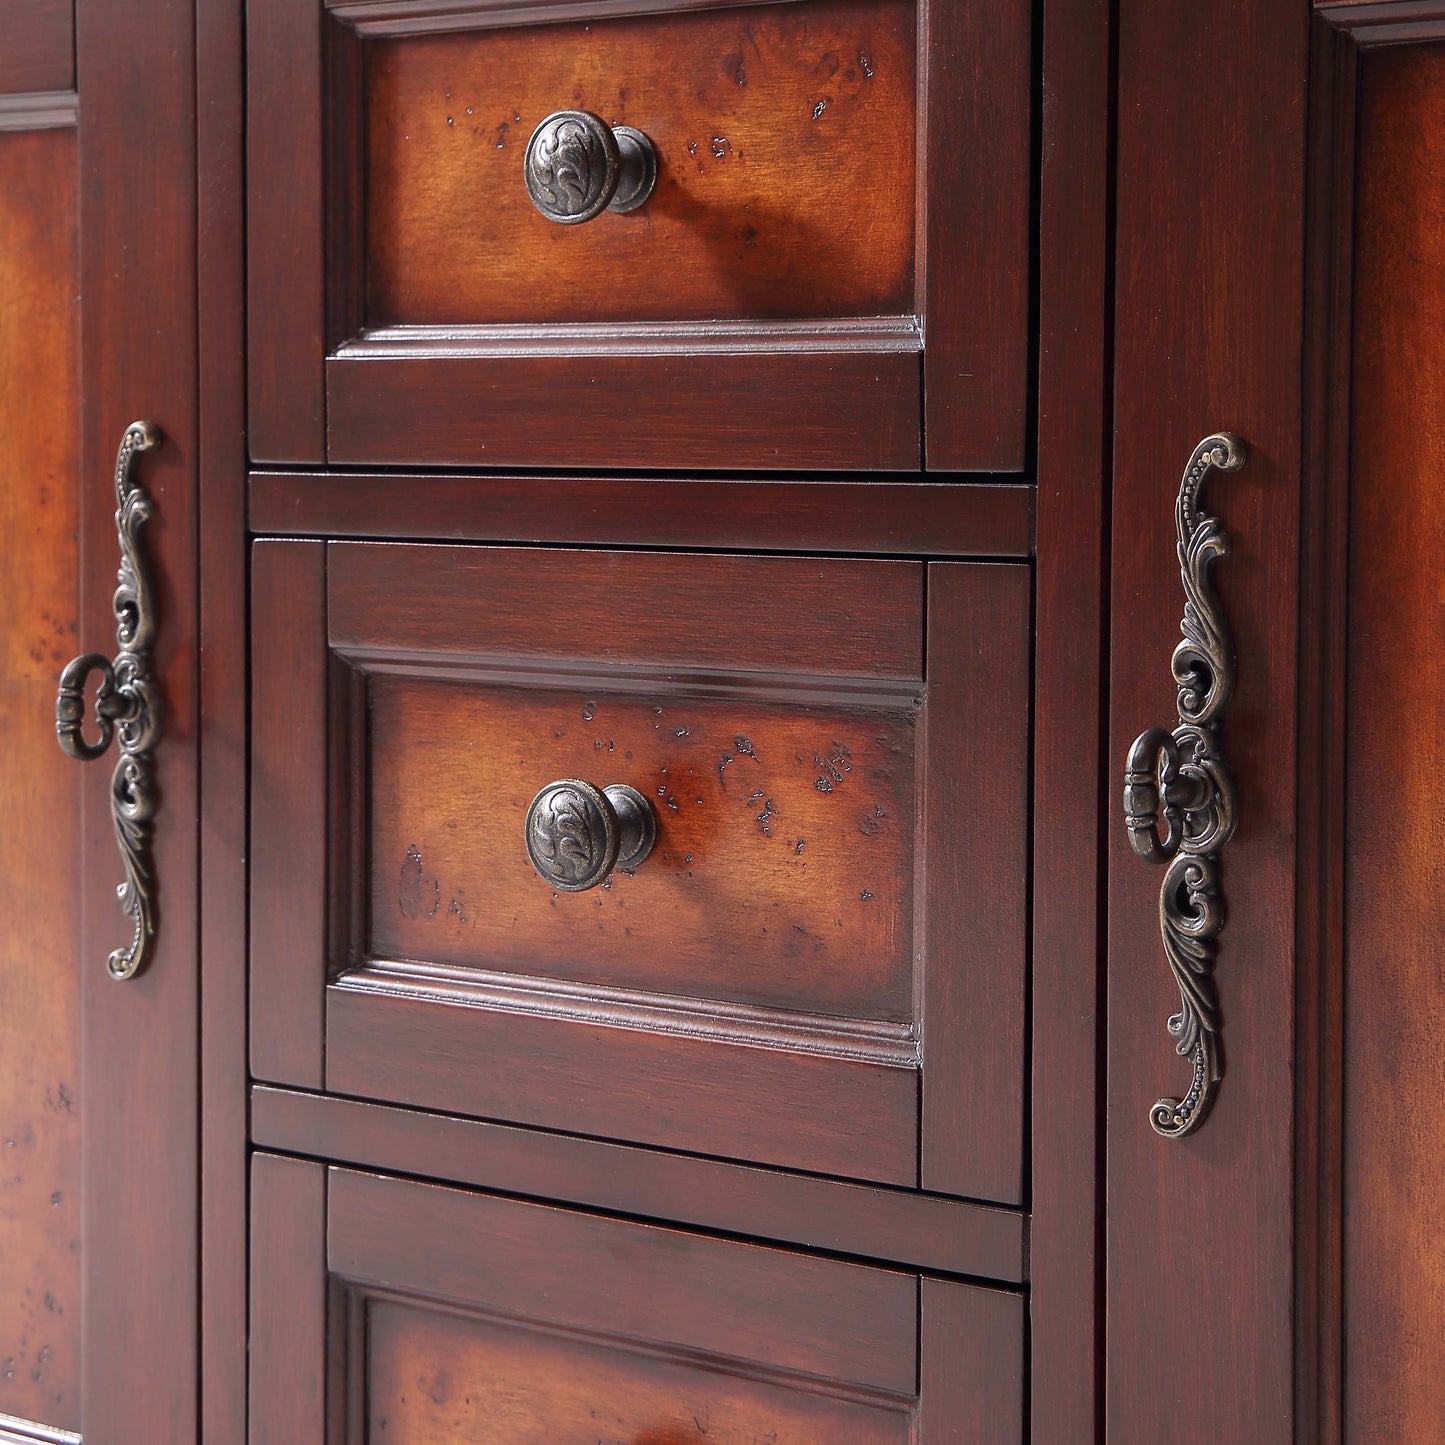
(902, 518)
(224, 690)
(782, 874)
(977, 281)
(974, 860)
(715, 1298)
(1394, 1059)
(692, 613)
(946, 1236)
(455, 1315)
(1208, 336)
(288, 825)
(38, 53)
(285, 265)
(40, 875)
(136, 73)
(288, 1302)
(803, 409)
(434, 1378)
(1067, 1002)
(784, 136)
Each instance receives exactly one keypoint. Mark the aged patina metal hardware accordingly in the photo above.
(578, 834)
(127, 707)
(1178, 780)
(577, 166)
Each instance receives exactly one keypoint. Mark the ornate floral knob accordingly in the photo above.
(577, 167)
(577, 834)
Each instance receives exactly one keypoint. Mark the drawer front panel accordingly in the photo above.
(786, 171)
(819, 965)
(422, 1314)
(835, 250)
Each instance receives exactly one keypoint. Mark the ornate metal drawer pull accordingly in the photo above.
(577, 166)
(1177, 780)
(577, 834)
(127, 706)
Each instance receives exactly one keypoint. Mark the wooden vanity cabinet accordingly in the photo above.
(841, 501)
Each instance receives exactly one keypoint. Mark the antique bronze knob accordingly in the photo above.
(577, 834)
(577, 167)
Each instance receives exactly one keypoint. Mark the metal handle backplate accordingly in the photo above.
(127, 707)
(1179, 800)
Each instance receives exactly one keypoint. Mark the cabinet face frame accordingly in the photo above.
(955, 378)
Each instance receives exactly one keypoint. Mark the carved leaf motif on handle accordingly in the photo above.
(127, 707)
(1180, 806)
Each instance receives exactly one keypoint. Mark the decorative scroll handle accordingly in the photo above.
(1179, 800)
(127, 707)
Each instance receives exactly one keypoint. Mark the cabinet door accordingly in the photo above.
(98, 1294)
(384, 1309)
(1208, 327)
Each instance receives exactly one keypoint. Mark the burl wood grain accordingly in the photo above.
(1394, 1066)
(785, 138)
(782, 874)
(433, 1378)
(39, 802)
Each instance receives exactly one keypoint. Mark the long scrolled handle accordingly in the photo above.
(127, 707)
(1179, 799)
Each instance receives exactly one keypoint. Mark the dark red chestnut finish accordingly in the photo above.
(646, 942)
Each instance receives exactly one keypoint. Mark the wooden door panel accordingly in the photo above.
(436, 1314)
(98, 1251)
(40, 874)
(1208, 327)
(756, 989)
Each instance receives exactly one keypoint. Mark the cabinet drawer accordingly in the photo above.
(819, 964)
(766, 306)
(411, 1313)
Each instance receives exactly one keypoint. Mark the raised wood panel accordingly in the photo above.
(782, 874)
(1385, 22)
(785, 145)
(1394, 1060)
(40, 874)
(39, 49)
(434, 1378)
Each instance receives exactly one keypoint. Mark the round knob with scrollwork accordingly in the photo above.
(578, 834)
(577, 166)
